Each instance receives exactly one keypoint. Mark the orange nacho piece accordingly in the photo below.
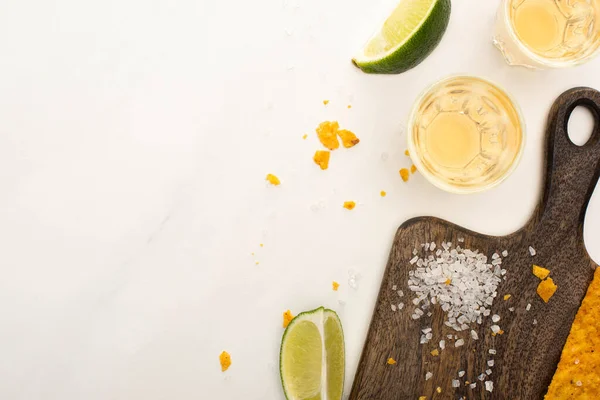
(225, 361)
(349, 139)
(383, 193)
(546, 289)
(391, 361)
(335, 286)
(404, 174)
(413, 169)
(321, 158)
(349, 205)
(273, 180)
(540, 272)
(327, 132)
(287, 318)
(578, 374)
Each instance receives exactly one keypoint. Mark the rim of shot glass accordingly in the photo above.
(416, 159)
(544, 62)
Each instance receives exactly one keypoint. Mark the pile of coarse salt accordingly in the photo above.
(460, 280)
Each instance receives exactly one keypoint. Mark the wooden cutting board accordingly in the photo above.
(529, 350)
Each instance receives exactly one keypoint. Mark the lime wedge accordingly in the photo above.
(311, 360)
(408, 36)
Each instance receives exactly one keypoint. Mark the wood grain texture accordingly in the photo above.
(527, 353)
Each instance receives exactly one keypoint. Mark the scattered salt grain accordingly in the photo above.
(393, 307)
(528, 307)
(488, 371)
(578, 383)
(473, 385)
(505, 253)
(442, 344)
(459, 343)
(474, 335)
(511, 309)
(394, 287)
(428, 376)
(400, 293)
(535, 321)
(414, 259)
(491, 363)
(455, 383)
(495, 318)
(400, 306)
(461, 374)
(495, 328)
(481, 377)
(532, 251)
(492, 351)
(426, 330)
(577, 361)
(489, 386)
(461, 239)
(429, 336)
(449, 337)
(415, 316)
(432, 246)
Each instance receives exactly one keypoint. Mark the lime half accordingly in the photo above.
(311, 361)
(406, 38)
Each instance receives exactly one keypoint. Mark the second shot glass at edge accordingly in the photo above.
(465, 134)
(548, 33)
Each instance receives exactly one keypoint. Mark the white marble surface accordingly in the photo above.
(134, 141)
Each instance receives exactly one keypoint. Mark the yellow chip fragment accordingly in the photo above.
(404, 174)
(273, 180)
(321, 158)
(225, 361)
(546, 289)
(383, 193)
(349, 139)
(335, 286)
(435, 352)
(391, 361)
(349, 205)
(327, 133)
(413, 169)
(507, 296)
(287, 318)
(540, 272)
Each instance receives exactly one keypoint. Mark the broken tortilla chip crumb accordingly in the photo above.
(391, 361)
(406, 153)
(383, 193)
(349, 106)
(404, 174)
(304, 136)
(422, 398)
(349, 139)
(225, 361)
(349, 205)
(546, 289)
(287, 318)
(540, 272)
(335, 286)
(413, 169)
(435, 352)
(507, 296)
(327, 133)
(325, 102)
(273, 180)
(321, 158)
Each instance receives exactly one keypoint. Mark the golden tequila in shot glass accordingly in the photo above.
(465, 134)
(548, 33)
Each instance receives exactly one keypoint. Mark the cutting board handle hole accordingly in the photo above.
(581, 125)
